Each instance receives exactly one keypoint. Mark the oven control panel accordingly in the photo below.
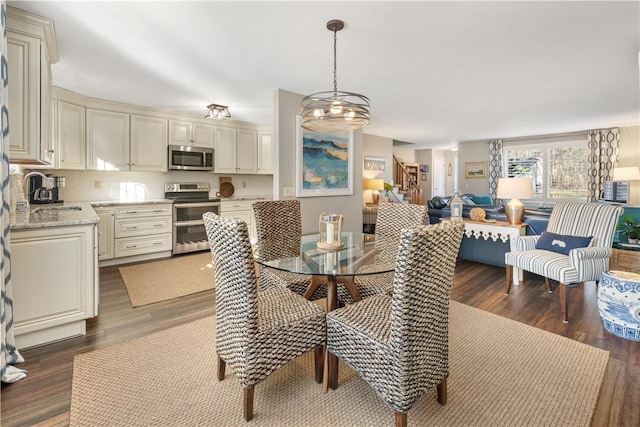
(184, 187)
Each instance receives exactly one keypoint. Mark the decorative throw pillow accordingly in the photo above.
(561, 243)
(482, 200)
(467, 200)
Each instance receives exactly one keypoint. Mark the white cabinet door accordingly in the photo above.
(105, 232)
(247, 152)
(148, 151)
(70, 136)
(188, 133)
(225, 151)
(107, 140)
(265, 153)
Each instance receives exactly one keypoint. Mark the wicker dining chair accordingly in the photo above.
(279, 230)
(391, 219)
(399, 343)
(256, 331)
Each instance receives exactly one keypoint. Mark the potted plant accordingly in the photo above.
(387, 187)
(631, 229)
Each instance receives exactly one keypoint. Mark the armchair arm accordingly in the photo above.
(594, 252)
(523, 243)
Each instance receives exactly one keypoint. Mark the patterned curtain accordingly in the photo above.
(495, 166)
(603, 157)
(9, 353)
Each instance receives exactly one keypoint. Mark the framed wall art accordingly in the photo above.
(475, 170)
(324, 163)
(374, 163)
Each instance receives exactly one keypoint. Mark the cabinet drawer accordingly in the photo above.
(142, 245)
(242, 216)
(142, 226)
(240, 205)
(143, 211)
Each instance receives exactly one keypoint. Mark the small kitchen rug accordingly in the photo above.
(156, 281)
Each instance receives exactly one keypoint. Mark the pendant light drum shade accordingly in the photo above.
(334, 111)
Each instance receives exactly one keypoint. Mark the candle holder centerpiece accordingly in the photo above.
(330, 231)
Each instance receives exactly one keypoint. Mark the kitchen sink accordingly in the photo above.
(56, 208)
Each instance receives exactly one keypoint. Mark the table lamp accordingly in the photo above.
(626, 173)
(375, 185)
(514, 189)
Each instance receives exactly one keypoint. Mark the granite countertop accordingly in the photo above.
(55, 215)
(237, 198)
(107, 203)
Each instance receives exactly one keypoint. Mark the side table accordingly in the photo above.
(625, 257)
(619, 303)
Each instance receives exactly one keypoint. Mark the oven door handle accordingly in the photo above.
(196, 205)
(188, 223)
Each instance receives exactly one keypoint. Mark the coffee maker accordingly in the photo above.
(43, 189)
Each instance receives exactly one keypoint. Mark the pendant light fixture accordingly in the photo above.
(215, 111)
(334, 111)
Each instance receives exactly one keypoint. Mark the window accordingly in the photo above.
(558, 170)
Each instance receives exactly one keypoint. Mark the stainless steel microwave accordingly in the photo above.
(183, 157)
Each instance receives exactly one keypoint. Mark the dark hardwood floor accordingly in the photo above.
(44, 397)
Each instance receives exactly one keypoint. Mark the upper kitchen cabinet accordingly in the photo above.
(236, 151)
(265, 152)
(107, 140)
(119, 141)
(69, 135)
(191, 133)
(31, 49)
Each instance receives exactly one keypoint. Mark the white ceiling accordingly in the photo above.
(437, 73)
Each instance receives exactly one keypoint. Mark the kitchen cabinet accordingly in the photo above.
(265, 153)
(191, 133)
(69, 135)
(31, 50)
(239, 210)
(148, 151)
(107, 140)
(55, 282)
(236, 151)
(105, 232)
(142, 229)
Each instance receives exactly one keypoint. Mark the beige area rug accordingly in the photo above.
(503, 373)
(167, 279)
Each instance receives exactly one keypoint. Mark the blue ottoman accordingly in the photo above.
(619, 303)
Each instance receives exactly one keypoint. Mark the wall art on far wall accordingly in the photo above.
(374, 163)
(475, 170)
(324, 163)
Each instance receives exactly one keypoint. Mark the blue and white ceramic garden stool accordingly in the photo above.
(619, 303)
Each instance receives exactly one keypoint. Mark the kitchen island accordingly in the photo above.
(54, 270)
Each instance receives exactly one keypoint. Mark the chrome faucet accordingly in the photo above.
(43, 193)
(47, 181)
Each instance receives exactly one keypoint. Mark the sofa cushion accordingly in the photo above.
(482, 199)
(561, 243)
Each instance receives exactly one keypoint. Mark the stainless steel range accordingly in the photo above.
(190, 201)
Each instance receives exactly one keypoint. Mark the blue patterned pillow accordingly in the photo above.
(560, 243)
(482, 200)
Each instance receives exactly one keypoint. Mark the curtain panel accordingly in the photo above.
(10, 354)
(495, 166)
(604, 145)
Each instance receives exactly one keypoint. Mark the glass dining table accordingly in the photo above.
(360, 254)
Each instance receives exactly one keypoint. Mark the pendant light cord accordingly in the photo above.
(335, 61)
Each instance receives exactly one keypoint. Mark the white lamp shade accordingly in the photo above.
(515, 188)
(626, 173)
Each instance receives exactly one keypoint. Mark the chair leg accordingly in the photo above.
(546, 282)
(318, 357)
(221, 367)
(248, 403)
(442, 392)
(564, 302)
(509, 270)
(401, 419)
(330, 372)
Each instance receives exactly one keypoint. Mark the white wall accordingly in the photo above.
(287, 107)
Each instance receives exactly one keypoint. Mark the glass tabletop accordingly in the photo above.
(360, 254)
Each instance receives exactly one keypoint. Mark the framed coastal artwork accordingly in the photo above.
(324, 163)
(374, 163)
(475, 170)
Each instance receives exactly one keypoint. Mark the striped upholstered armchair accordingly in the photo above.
(256, 332)
(399, 343)
(555, 259)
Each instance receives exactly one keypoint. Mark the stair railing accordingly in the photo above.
(409, 186)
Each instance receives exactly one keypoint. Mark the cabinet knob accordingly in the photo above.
(51, 151)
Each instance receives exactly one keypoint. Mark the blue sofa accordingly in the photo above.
(488, 251)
